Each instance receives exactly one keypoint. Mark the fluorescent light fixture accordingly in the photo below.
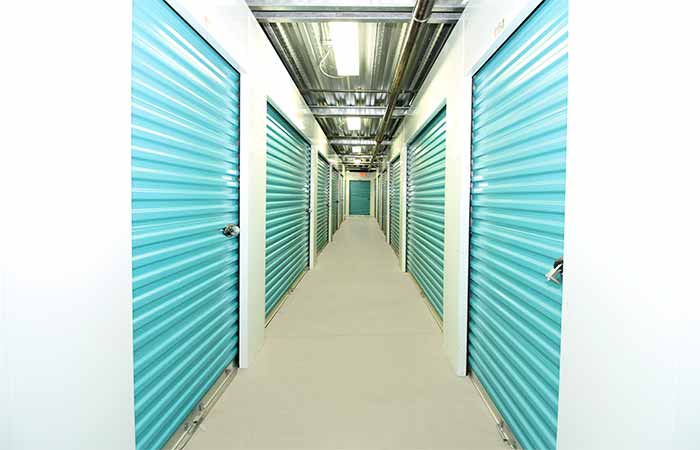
(346, 48)
(354, 123)
(356, 149)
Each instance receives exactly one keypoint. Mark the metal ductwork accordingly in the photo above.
(421, 14)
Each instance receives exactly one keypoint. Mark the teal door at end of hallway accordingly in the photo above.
(359, 197)
(518, 162)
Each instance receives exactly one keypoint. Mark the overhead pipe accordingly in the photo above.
(421, 14)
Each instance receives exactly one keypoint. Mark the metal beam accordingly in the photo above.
(351, 5)
(356, 111)
(349, 16)
(350, 140)
(421, 13)
(349, 91)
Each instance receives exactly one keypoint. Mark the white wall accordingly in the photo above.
(363, 176)
(230, 25)
(65, 242)
(630, 376)
(629, 370)
(65, 287)
(448, 85)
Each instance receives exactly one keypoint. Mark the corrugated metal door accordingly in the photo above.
(185, 186)
(425, 210)
(335, 202)
(287, 197)
(322, 203)
(385, 200)
(518, 162)
(378, 195)
(395, 204)
(341, 191)
(359, 197)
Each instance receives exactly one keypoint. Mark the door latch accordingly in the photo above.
(231, 230)
(556, 273)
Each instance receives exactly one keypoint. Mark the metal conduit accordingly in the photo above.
(421, 13)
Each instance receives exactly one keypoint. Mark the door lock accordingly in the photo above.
(231, 230)
(556, 273)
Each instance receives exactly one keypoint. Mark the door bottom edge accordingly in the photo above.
(191, 424)
(503, 429)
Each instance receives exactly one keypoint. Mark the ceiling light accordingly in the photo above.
(354, 123)
(356, 149)
(346, 48)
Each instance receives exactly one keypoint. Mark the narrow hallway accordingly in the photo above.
(352, 360)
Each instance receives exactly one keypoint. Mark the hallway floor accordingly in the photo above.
(352, 361)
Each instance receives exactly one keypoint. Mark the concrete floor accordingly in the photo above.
(353, 360)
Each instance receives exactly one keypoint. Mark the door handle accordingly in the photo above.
(231, 230)
(556, 273)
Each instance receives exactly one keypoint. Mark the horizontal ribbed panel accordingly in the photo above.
(395, 204)
(185, 187)
(335, 202)
(341, 191)
(359, 197)
(322, 203)
(287, 200)
(425, 210)
(385, 200)
(518, 163)
(378, 194)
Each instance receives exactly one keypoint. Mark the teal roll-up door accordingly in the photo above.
(517, 197)
(287, 205)
(385, 200)
(395, 204)
(341, 190)
(322, 203)
(335, 201)
(425, 210)
(359, 197)
(378, 196)
(185, 186)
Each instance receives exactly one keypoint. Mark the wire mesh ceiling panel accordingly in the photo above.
(359, 197)
(185, 191)
(287, 198)
(335, 201)
(425, 210)
(519, 122)
(322, 203)
(395, 204)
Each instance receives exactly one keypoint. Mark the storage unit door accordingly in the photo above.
(322, 203)
(334, 202)
(378, 196)
(385, 200)
(425, 210)
(359, 197)
(395, 204)
(287, 204)
(185, 186)
(518, 162)
(342, 198)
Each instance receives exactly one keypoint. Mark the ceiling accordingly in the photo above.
(299, 32)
